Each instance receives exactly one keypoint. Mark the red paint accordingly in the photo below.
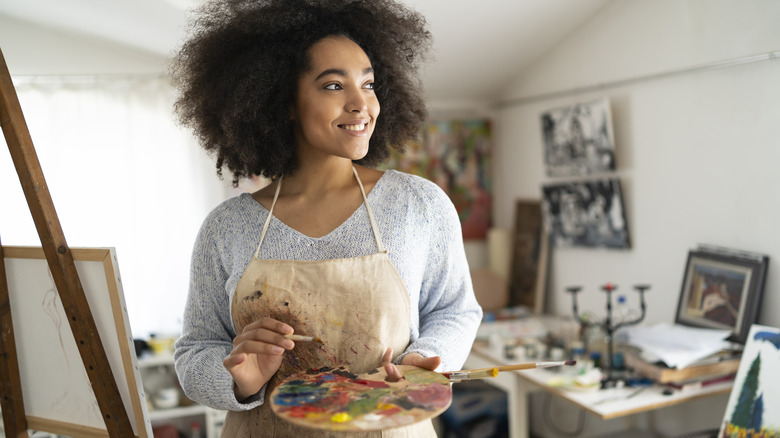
(388, 412)
(430, 395)
(371, 383)
(303, 410)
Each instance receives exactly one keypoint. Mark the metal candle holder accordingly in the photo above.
(608, 325)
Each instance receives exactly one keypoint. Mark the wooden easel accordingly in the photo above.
(63, 269)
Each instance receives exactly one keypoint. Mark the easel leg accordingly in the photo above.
(60, 260)
(11, 401)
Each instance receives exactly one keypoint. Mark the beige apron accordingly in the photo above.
(358, 307)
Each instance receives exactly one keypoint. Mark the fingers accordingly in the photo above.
(269, 324)
(234, 360)
(387, 358)
(264, 336)
(393, 374)
(429, 363)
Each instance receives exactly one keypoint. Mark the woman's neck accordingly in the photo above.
(313, 181)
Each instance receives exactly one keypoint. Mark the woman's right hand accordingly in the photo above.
(257, 354)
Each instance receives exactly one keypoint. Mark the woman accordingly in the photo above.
(371, 262)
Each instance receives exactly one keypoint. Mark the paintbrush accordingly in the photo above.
(456, 376)
(303, 338)
(481, 373)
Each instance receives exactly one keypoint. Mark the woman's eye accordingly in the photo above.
(333, 87)
(369, 86)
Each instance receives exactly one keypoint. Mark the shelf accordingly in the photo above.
(185, 411)
(155, 360)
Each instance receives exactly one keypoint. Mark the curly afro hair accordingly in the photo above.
(237, 75)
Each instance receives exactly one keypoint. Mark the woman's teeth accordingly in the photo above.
(354, 127)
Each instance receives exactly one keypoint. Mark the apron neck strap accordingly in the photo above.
(268, 219)
(374, 227)
(378, 238)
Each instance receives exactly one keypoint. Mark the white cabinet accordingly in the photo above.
(169, 406)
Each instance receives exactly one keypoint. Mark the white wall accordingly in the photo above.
(697, 154)
(94, 136)
(30, 49)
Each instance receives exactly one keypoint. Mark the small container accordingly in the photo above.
(166, 398)
(595, 357)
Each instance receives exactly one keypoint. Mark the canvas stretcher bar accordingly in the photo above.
(60, 259)
(11, 400)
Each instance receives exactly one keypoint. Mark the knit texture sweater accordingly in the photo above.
(419, 228)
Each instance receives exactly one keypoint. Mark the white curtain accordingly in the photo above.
(121, 174)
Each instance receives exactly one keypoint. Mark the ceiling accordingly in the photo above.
(479, 45)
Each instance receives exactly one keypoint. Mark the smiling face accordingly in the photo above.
(336, 108)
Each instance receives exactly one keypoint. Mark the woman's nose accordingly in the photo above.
(357, 102)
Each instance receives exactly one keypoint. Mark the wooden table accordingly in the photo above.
(605, 404)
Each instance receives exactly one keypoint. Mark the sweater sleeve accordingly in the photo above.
(448, 309)
(207, 332)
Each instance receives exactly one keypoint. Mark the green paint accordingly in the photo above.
(367, 403)
(422, 376)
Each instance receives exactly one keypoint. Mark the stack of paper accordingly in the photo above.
(678, 346)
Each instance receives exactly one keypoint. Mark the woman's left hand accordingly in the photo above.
(394, 375)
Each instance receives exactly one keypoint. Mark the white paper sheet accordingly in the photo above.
(678, 346)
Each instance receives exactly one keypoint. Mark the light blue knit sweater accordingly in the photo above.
(421, 231)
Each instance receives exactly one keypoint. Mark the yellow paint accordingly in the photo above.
(341, 417)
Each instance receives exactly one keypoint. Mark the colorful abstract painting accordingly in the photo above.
(455, 154)
(338, 400)
(753, 409)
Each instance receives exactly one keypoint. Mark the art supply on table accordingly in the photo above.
(338, 400)
(482, 373)
(622, 397)
(303, 338)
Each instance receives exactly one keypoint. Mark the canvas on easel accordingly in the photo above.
(65, 276)
(58, 396)
(754, 403)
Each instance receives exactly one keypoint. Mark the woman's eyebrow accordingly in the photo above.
(339, 72)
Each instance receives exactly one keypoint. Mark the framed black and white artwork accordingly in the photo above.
(585, 214)
(578, 139)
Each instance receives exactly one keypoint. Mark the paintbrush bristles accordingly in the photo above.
(456, 376)
(303, 338)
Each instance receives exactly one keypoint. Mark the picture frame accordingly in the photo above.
(586, 214)
(579, 139)
(530, 257)
(722, 289)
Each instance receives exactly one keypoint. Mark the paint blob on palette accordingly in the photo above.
(338, 400)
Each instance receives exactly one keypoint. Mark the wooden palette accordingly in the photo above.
(337, 400)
